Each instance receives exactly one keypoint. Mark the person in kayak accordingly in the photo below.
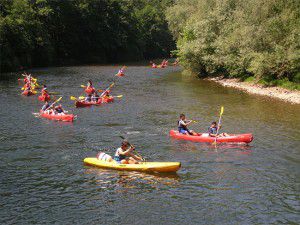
(213, 129)
(95, 97)
(46, 106)
(89, 90)
(45, 93)
(121, 71)
(88, 98)
(182, 126)
(153, 65)
(59, 110)
(124, 154)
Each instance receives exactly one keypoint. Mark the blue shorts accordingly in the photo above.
(118, 159)
(183, 131)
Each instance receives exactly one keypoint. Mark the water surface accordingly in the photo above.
(43, 179)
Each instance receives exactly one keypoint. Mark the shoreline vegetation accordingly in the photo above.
(244, 40)
(287, 95)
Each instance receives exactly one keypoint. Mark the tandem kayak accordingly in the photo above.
(28, 93)
(65, 117)
(160, 167)
(44, 98)
(204, 137)
(83, 103)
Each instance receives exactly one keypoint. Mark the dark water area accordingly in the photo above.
(43, 179)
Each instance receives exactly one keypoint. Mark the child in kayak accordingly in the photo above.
(89, 90)
(45, 106)
(59, 110)
(182, 126)
(124, 154)
(88, 98)
(95, 97)
(213, 129)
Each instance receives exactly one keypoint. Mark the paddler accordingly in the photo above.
(59, 110)
(95, 97)
(153, 65)
(90, 88)
(121, 71)
(46, 106)
(124, 154)
(213, 129)
(182, 126)
(45, 91)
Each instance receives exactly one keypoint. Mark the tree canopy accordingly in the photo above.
(56, 32)
(238, 38)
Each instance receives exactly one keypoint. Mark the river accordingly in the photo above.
(44, 181)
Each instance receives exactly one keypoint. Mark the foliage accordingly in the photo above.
(55, 32)
(238, 38)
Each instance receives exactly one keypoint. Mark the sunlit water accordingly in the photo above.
(44, 181)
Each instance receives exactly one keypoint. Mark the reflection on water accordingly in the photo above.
(131, 179)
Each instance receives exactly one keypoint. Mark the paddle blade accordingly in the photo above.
(81, 97)
(73, 98)
(83, 86)
(222, 110)
(118, 96)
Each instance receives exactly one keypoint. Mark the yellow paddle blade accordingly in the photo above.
(60, 98)
(195, 121)
(73, 98)
(34, 92)
(22, 88)
(81, 97)
(118, 96)
(222, 110)
(83, 86)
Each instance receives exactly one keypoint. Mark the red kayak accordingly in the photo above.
(44, 98)
(204, 137)
(83, 103)
(66, 117)
(28, 93)
(120, 74)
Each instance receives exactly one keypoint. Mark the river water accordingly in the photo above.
(44, 181)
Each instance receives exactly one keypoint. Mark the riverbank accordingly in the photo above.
(253, 88)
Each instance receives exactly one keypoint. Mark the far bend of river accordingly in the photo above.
(43, 179)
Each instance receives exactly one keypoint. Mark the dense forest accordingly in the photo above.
(259, 39)
(59, 32)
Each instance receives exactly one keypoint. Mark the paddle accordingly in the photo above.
(143, 159)
(110, 86)
(54, 103)
(220, 119)
(73, 98)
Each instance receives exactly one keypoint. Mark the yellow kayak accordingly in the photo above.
(162, 167)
